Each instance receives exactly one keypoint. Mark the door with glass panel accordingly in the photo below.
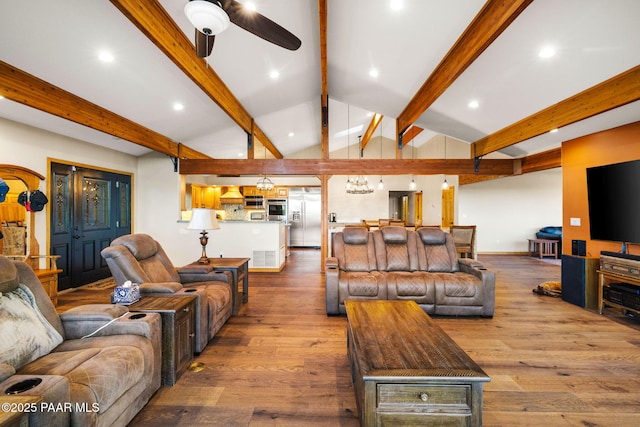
(89, 209)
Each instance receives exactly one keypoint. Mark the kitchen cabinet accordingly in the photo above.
(205, 196)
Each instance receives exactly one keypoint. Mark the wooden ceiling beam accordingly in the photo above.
(324, 86)
(550, 159)
(410, 133)
(153, 20)
(345, 167)
(373, 125)
(489, 23)
(29, 90)
(613, 93)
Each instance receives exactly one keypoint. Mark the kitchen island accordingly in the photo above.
(263, 242)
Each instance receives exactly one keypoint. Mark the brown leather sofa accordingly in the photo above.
(93, 365)
(398, 264)
(141, 259)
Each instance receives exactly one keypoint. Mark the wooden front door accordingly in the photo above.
(90, 208)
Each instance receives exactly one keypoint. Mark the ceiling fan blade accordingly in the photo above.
(260, 25)
(204, 44)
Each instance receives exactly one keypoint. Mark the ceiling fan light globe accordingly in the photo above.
(207, 17)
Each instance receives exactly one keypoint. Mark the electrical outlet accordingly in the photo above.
(575, 222)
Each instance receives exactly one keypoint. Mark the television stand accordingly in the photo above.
(619, 281)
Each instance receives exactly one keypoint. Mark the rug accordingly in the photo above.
(100, 285)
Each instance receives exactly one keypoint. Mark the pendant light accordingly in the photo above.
(445, 184)
(264, 183)
(359, 184)
(412, 184)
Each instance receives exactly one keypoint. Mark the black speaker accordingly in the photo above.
(580, 280)
(579, 247)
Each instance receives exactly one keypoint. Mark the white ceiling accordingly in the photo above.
(59, 42)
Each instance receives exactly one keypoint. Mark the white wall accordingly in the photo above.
(508, 211)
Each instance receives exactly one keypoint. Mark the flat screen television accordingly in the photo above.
(614, 202)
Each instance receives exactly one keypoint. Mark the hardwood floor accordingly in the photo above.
(282, 361)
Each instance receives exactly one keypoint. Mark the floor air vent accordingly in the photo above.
(264, 259)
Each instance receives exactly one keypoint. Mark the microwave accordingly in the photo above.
(254, 202)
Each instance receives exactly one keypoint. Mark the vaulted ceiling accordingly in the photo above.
(428, 70)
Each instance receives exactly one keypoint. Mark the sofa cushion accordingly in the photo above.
(355, 236)
(356, 258)
(26, 333)
(432, 236)
(8, 275)
(363, 285)
(394, 234)
(142, 246)
(99, 375)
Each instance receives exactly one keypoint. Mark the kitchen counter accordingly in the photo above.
(263, 242)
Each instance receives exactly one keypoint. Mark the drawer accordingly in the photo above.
(389, 419)
(425, 398)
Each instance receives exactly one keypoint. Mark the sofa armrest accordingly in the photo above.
(108, 319)
(332, 275)
(160, 287)
(471, 263)
(6, 371)
(331, 262)
(488, 279)
(213, 276)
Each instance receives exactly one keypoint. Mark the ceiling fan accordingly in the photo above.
(211, 17)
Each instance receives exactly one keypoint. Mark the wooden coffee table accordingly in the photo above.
(407, 371)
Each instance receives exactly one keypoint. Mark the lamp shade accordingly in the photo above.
(207, 17)
(203, 219)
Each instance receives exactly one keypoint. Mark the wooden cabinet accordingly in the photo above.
(619, 282)
(205, 196)
(178, 325)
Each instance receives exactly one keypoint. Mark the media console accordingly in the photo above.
(619, 281)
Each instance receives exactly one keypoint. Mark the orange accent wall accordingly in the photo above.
(612, 146)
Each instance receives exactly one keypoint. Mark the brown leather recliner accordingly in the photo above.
(141, 259)
(99, 363)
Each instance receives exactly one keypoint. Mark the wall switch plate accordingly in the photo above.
(575, 222)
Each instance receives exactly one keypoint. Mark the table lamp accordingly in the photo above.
(203, 219)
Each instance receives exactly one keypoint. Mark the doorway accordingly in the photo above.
(89, 209)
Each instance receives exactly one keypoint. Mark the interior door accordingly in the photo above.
(90, 209)
(448, 206)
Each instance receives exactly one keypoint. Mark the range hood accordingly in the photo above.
(232, 196)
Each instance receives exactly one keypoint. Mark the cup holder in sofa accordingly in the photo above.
(190, 290)
(137, 316)
(23, 386)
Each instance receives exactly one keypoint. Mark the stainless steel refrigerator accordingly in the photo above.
(304, 216)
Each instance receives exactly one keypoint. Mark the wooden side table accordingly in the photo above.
(239, 268)
(178, 331)
(543, 247)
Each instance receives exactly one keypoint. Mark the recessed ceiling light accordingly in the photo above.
(395, 4)
(547, 52)
(474, 104)
(274, 74)
(291, 134)
(105, 56)
(373, 73)
(178, 106)
(250, 5)
(553, 130)
(1, 97)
